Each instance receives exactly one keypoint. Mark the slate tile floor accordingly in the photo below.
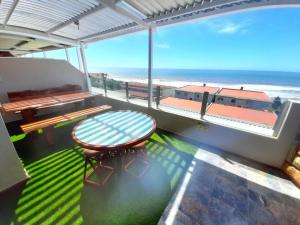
(221, 189)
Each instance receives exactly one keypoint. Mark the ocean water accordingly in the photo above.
(283, 84)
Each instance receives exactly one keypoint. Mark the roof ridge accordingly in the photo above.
(243, 90)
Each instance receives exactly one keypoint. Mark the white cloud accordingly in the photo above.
(163, 45)
(230, 28)
(227, 27)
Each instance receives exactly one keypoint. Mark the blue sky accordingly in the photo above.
(266, 39)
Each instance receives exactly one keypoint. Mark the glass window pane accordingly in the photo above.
(29, 55)
(123, 59)
(73, 57)
(57, 54)
(38, 55)
(251, 58)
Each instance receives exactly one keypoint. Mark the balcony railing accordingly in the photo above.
(165, 99)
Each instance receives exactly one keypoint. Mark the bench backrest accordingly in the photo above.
(31, 94)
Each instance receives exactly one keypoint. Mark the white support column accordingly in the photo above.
(67, 54)
(45, 55)
(150, 65)
(80, 67)
(88, 82)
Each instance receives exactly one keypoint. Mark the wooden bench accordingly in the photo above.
(27, 128)
(47, 124)
(42, 97)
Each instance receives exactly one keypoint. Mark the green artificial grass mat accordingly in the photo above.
(55, 193)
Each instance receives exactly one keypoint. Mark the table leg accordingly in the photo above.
(28, 115)
(117, 161)
(119, 168)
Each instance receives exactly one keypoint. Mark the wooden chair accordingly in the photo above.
(135, 154)
(96, 160)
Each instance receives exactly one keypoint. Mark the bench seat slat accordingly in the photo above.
(42, 124)
(64, 118)
(88, 111)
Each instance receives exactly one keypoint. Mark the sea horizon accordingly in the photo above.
(275, 83)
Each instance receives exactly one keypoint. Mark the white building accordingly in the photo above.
(244, 98)
(195, 92)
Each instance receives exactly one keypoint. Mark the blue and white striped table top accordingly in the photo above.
(114, 129)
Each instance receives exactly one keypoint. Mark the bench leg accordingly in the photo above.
(78, 105)
(49, 135)
(28, 115)
(90, 102)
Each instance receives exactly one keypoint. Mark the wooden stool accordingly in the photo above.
(139, 153)
(95, 159)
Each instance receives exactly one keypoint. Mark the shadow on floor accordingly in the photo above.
(55, 193)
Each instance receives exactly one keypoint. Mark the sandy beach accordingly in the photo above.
(284, 92)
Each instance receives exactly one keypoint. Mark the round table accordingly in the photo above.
(114, 130)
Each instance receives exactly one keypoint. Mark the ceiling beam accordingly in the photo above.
(189, 8)
(113, 32)
(132, 8)
(76, 18)
(109, 35)
(25, 41)
(16, 51)
(114, 7)
(19, 49)
(14, 37)
(206, 9)
(38, 35)
(10, 12)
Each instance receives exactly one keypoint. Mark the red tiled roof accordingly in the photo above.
(138, 94)
(250, 115)
(181, 104)
(199, 89)
(244, 94)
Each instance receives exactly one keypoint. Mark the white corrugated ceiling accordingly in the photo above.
(69, 22)
(97, 22)
(44, 14)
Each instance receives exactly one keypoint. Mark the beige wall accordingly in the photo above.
(11, 169)
(268, 150)
(17, 74)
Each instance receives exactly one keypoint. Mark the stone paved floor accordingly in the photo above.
(227, 190)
